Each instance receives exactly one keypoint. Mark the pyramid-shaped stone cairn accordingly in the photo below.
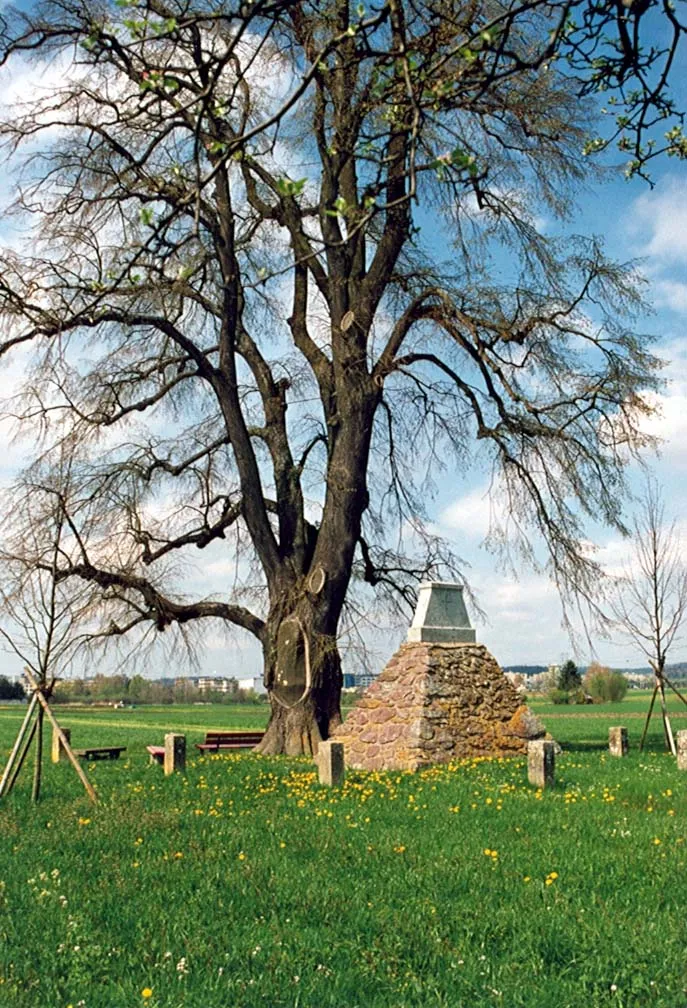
(441, 697)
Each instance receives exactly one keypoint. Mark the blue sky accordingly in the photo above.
(636, 222)
(524, 617)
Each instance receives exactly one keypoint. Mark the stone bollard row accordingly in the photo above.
(617, 741)
(330, 763)
(541, 761)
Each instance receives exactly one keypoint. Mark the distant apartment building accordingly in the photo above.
(254, 683)
(215, 684)
(517, 680)
(224, 684)
(364, 679)
(638, 680)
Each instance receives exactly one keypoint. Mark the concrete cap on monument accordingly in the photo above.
(440, 615)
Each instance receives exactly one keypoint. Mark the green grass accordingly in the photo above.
(243, 883)
(580, 727)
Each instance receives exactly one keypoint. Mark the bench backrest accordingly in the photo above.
(213, 737)
(106, 748)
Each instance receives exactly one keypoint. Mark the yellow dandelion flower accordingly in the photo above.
(83, 822)
(242, 856)
(146, 993)
(656, 841)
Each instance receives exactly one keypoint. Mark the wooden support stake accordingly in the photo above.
(57, 753)
(67, 748)
(666, 720)
(17, 744)
(648, 718)
(675, 690)
(22, 756)
(38, 764)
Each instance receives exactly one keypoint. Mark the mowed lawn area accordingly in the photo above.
(244, 883)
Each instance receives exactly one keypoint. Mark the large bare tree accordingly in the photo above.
(245, 331)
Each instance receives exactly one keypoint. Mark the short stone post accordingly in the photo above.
(330, 763)
(681, 741)
(541, 763)
(175, 753)
(58, 753)
(617, 741)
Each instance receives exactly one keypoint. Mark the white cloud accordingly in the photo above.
(473, 514)
(669, 423)
(615, 557)
(524, 618)
(659, 221)
(670, 294)
(24, 80)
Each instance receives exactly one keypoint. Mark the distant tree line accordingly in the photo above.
(137, 690)
(598, 685)
(10, 690)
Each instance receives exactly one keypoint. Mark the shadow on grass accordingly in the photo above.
(588, 746)
(583, 747)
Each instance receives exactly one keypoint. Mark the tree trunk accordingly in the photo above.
(302, 661)
(304, 681)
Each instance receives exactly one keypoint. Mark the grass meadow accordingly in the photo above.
(244, 883)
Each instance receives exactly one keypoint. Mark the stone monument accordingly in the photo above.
(441, 697)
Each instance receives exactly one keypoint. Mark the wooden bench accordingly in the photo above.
(157, 753)
(216, 741)
(104, 752)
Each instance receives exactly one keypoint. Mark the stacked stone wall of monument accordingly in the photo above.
(434, 703)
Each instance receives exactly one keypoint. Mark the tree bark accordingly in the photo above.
(303, 677)
(302, 661)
